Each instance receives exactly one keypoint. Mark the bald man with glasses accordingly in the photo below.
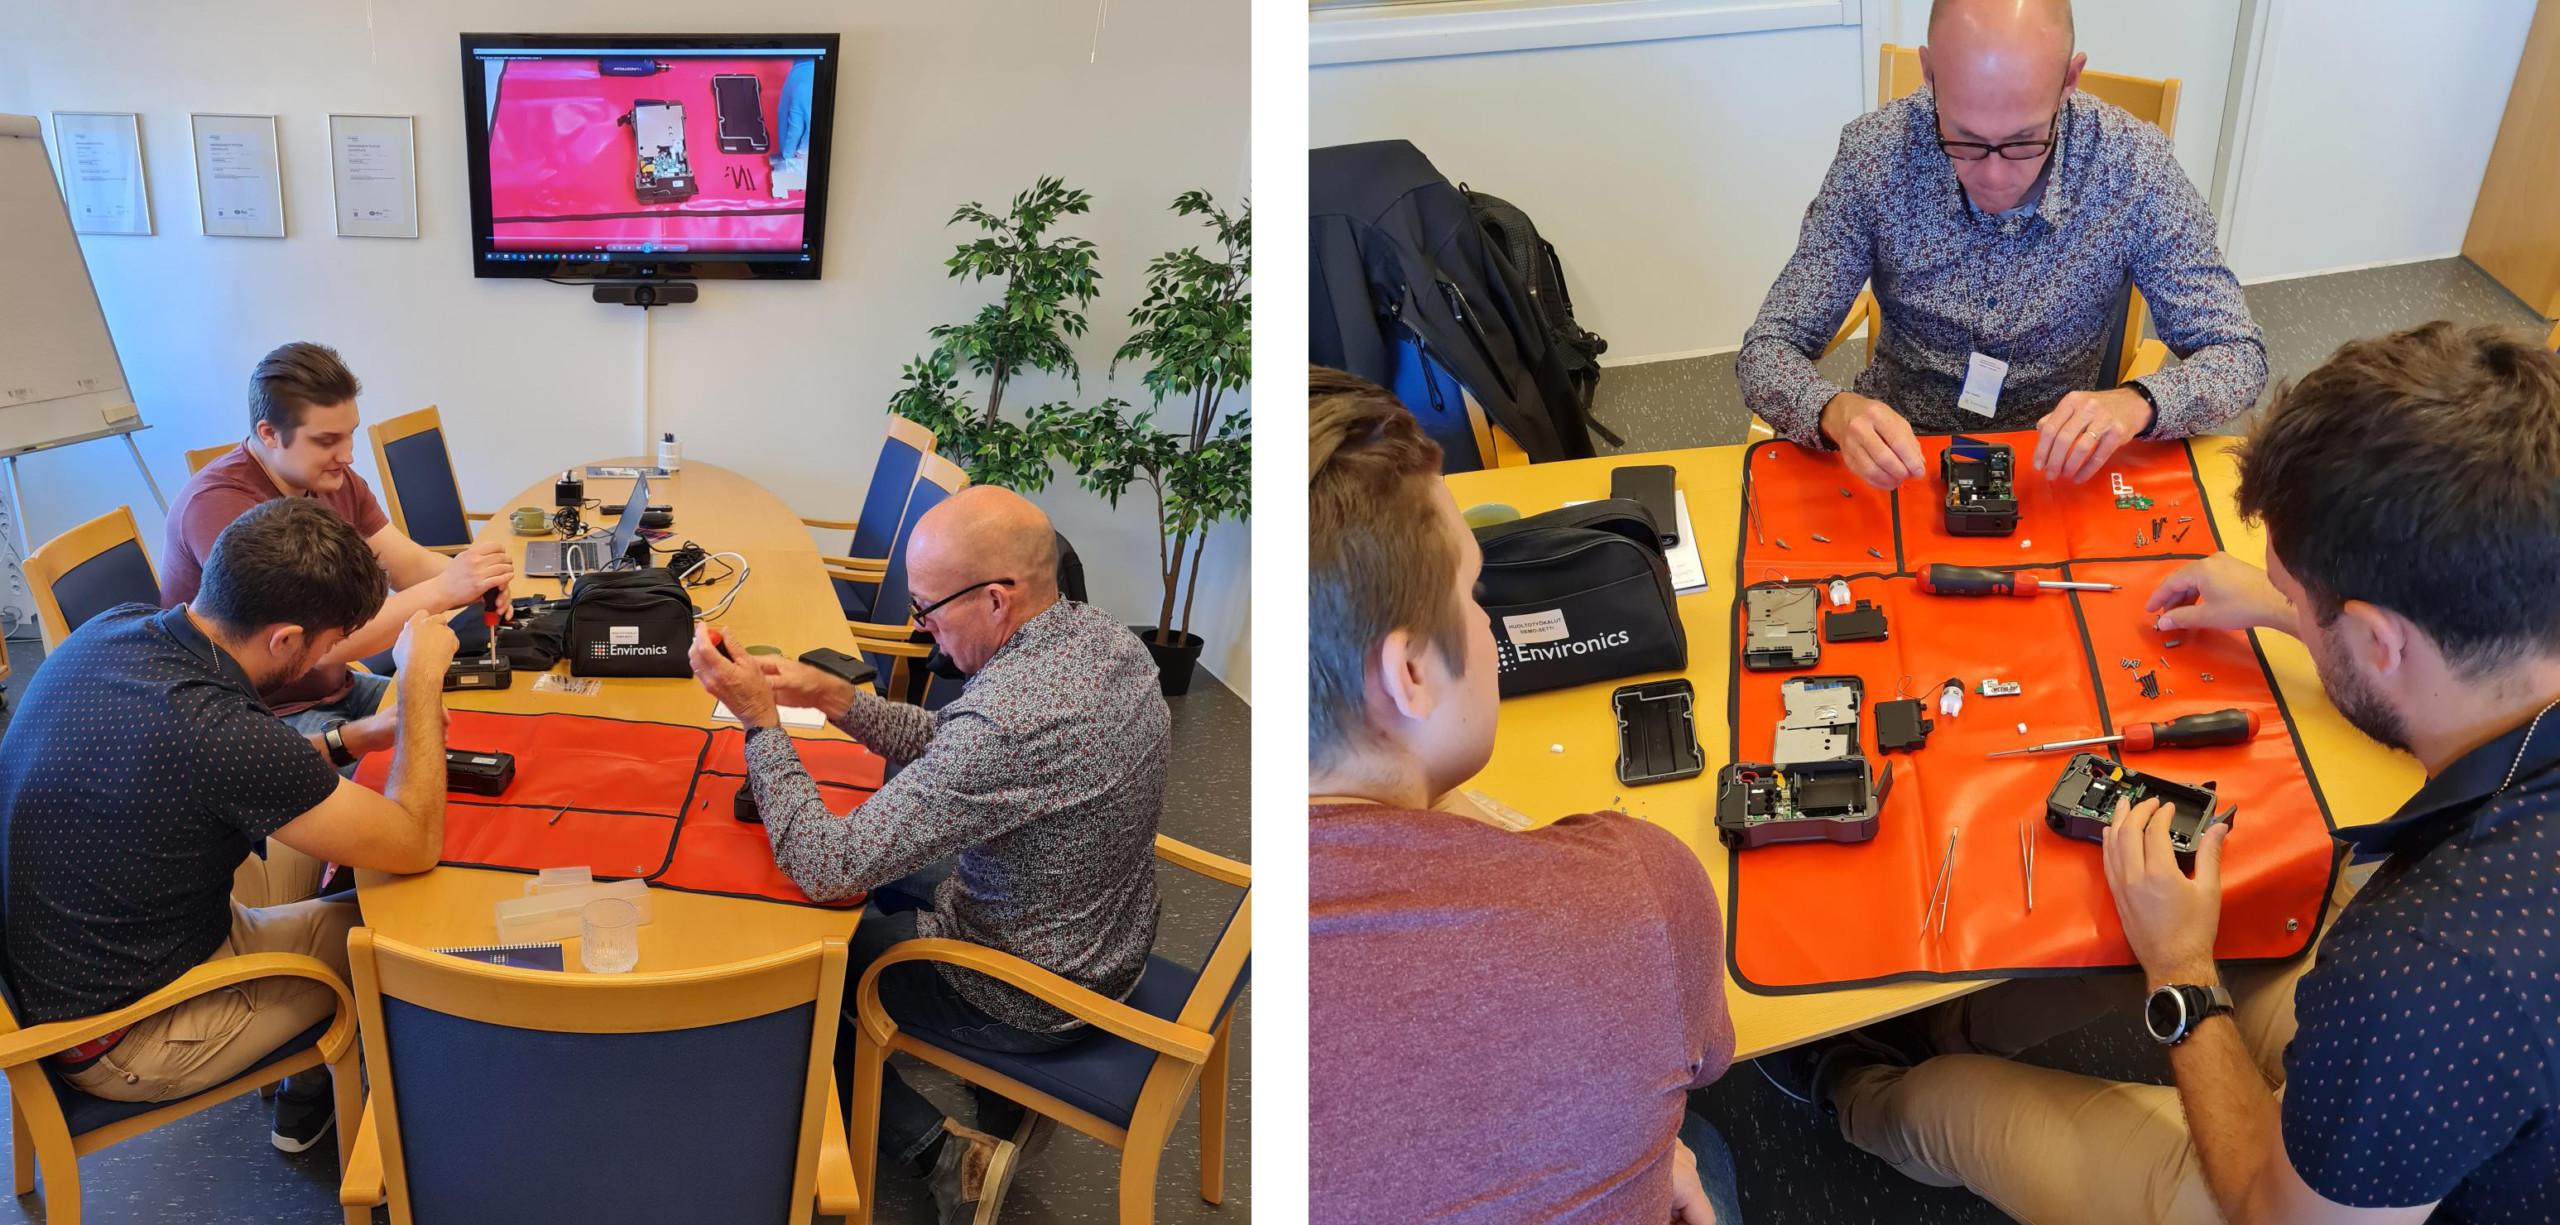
(2000, 214)
(1023, 817)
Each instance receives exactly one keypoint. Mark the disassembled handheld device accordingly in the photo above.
(1864, 623)
(739, 99)
(1657, 732)
(1816, 787)
(1817, 801)
(1901, 727)
(1980, 500)
(664, 174)
(1778, 629)
(2083, 803)
(478, 773)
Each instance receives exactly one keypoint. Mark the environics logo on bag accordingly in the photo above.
(1538, 637)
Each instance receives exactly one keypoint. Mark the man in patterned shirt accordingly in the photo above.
(1045, 779)
(2000, 215)
(2410, 490)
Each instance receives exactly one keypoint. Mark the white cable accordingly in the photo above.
(734, 587)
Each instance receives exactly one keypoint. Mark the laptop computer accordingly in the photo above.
(593, 552)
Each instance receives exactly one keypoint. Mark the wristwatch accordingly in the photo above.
(2136, 387)
(339, 755)
(2174, 1011)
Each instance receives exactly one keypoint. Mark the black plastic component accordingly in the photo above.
(1821, 801)
(478, 672)
(654, 515)
(744, 807)
(1862, 623)
(738, 100)
(478, 773)
(1980, 500)
(1655, 488)
(855, 670)
(1901, 727)
(1778, 629)
(569, 490)
(2083, 803)
(1657, 732)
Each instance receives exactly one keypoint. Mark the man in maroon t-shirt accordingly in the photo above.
(1504, 1026)
(302, 427)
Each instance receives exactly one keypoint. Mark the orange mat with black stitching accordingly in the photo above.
(651, 800)
(1819, 915)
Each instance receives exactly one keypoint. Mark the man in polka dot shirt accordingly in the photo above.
(140, 769)
(2410, 491)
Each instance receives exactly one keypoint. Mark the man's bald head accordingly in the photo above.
(984, 532)
(2006, 22)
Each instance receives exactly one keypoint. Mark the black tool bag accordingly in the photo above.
(630, 623)
(1541, 273)
(1578, 595)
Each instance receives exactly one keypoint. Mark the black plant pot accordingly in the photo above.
(1174, 664)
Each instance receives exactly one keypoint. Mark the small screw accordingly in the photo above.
(2205, 676)
(2025, 543)
(1782, 543)
(2293, 925)
(1819, 538)
(2186, 518)
(2175, 641)
(1844, 492)
(2138, 541)
(1875, 552)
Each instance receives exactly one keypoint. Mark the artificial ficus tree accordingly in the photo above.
(1046, 280)
(1195, 332)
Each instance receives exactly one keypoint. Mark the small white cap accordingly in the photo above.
(1555, 748)
(2022, 729)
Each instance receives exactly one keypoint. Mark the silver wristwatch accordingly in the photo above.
(2174, 1011)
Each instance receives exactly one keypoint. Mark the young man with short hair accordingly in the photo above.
(139, 769)
(2409, 1067)
(301, 444)
(1504, 1026)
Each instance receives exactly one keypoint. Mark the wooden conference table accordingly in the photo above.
(2363, 784)
(787, 603)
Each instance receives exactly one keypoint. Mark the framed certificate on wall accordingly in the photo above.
(373, 176)
(103, 182)
(239, 193)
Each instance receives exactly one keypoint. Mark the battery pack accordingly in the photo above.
(478, 773)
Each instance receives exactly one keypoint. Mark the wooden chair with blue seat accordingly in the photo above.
(1124, 1084)
(882, 629)
(884, 507)
(680, 1096)
(418, 486)
(52, 1125)
(88, 570)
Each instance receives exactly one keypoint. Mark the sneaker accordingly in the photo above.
(969, 1179)
(1811, 1072)
(302, 1120)
(1031, 1135)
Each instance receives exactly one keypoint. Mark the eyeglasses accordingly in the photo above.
(2015, 151)
(918, 611)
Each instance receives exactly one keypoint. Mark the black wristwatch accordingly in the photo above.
(2174, 1011)
(337, 743)
(2136, 387)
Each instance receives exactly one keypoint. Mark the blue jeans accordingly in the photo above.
(917, 997)
(364, 696)
(1715, 1167)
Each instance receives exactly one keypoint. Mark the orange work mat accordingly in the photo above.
(625, 799)
(1812, 916)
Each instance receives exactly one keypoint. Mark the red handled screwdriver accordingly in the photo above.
(489, 613)
(2184, 732)
(1943, 579)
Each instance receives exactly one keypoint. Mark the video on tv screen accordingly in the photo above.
(680, 154)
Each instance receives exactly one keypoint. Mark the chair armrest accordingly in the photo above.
(479, 514)
(837, 1193)
(2148, 357)
(887, 639)
(29, 1045)
(1862, 312)
(832, 525)
(362, 1186)
(1215, 867)
(868, 568)
(1091, 1007)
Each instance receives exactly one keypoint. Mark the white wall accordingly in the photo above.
(2370, 127)
(937, 104)
(1672, 174)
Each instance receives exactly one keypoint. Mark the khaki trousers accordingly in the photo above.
(2049, 1146)
(216, 1036)
(284, 875)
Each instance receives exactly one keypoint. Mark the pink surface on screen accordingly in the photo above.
(561, 166)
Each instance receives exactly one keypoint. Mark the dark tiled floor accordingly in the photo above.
(1693, 402)
(1794, 1166)
(218, 1166)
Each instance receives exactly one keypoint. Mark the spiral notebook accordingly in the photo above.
(519, 956)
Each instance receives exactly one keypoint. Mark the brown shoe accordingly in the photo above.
(970, 1177)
